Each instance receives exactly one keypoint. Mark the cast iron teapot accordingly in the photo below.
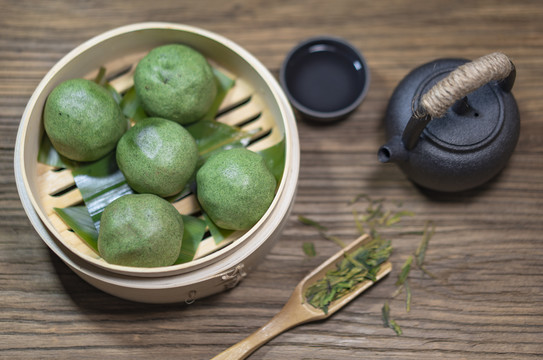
(453, 124)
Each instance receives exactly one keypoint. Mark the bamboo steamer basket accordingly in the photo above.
(255, 103)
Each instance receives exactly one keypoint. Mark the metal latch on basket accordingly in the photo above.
(234, 276)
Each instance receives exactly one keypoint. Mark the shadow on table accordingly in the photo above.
(92, 300)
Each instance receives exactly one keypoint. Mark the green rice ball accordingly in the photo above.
(175, 82)
(82, 120)
(157, 156)
(141, 230)
(235, 188)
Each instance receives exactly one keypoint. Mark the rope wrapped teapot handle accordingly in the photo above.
(455, 86)
(464, 80)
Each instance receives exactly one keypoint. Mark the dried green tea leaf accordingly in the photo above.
(385, 313)
(358, 197)
(376, 216)
(420, 254)
(359, 225)
(333, 238)
(366, 197)
(309, 249)
(387, 321)
(373, 212)
(306, 221)
(429, 230)
(356, 267)
(407, 296)
(322, 230)
(397, 217)
(406, 268)
(394, 326)
(415, 232)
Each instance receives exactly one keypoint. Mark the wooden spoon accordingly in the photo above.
(297, 311)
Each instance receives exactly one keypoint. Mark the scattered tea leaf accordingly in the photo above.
(415, 232)
(322, 230)
(372, 220)
(394, 326)
(375, 217)
(334, 239)
(387, 321)
(364, 196)
(309, 249)
(429, 230)
(306, 221)
(407, 296)
(396, 217)
(359, 225)
(385, 312)
(406, 268)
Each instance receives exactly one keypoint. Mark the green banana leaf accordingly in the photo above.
(194, 233)
(224, 83)
(212, 136)
(79, 220)
(100, 183)
(49, 156)
(218, 234)
(131, 106)
(274, 156)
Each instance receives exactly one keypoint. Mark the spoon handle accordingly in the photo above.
(292, 314)
(296, 311)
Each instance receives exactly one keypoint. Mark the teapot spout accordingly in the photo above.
(393, 151)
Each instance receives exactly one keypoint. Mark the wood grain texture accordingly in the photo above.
(487, 253)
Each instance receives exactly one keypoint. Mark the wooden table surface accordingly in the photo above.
(486, 301)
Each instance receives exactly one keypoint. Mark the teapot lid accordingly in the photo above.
(470, 122)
